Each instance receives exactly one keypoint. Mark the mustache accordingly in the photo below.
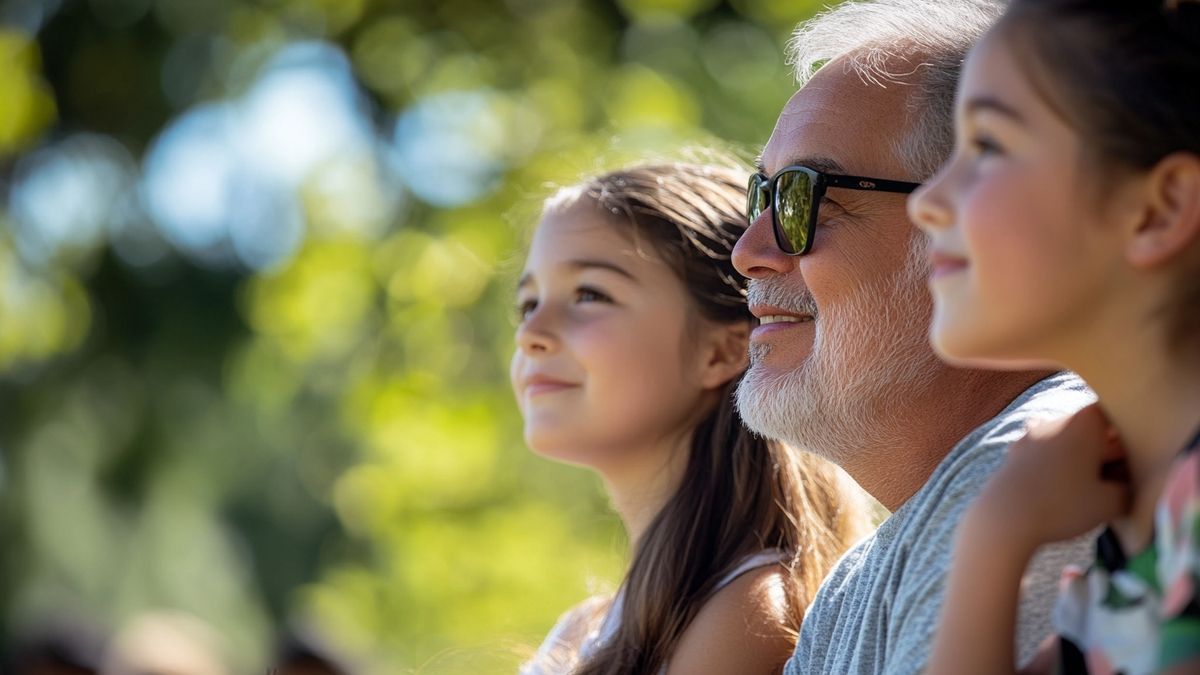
(772, 292)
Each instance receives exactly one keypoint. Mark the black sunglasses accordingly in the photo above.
(794, 195)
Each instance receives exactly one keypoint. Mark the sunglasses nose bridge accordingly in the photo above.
(758, 197)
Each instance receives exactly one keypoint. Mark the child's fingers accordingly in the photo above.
(1090, 428)
(1089, 422)
(1092, 413)
(1114, 450)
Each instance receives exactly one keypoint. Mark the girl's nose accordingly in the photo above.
(535, 335)
(929, 207)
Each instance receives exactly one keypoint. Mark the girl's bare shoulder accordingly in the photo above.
(741, 629)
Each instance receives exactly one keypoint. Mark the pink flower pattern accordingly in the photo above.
(1116, 617)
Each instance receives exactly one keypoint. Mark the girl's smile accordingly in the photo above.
(535, 384)
(603, 371)
(944, 264)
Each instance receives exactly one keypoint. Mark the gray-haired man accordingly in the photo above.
(840, 363)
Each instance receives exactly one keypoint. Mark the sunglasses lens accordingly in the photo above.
(757, 197)
(793, 210)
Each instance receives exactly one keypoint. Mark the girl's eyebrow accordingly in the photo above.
(589, 263)
(977, 104)
(583, 264)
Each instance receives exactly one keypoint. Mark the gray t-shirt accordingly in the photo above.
(877, 611)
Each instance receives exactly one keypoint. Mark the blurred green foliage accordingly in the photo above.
(326, 440)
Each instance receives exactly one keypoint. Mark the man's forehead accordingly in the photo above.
(837, 123)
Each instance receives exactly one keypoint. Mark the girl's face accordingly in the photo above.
(603, 370)
(1023, 256)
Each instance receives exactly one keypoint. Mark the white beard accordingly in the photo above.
(868, 357)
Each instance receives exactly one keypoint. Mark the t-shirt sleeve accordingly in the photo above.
(1041, 586)
(928, 557)
(1177, 524)
(918, 605)
(821, 621)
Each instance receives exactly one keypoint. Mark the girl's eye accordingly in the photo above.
(985, 146)
(525, 308)
(585, 294)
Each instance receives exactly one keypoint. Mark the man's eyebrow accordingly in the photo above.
(583, 264)
(978, 104)
(818, 162)
(823, 164)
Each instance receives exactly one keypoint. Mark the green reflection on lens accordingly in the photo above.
(793, 200)
(756, 197)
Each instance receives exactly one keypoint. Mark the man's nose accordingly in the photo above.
(756, 255)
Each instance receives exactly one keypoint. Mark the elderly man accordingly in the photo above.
(841, 365)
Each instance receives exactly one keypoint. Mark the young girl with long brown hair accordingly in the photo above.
(632, 337)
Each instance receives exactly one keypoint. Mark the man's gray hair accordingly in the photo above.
(914, 42)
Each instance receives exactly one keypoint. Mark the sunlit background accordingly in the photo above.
(256, 272)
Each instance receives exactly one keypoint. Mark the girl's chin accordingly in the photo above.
(573, 452)
(556, 449)
(963, 354)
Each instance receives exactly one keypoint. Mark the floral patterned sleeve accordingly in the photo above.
(1177, 529)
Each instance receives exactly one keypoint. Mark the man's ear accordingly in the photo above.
(726, 353)
(1171, 221)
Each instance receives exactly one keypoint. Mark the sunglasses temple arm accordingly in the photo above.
(865, 183)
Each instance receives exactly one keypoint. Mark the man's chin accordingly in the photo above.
(795, 408)
(768, 402)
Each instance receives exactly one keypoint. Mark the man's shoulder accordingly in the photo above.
(973, 459)
(1051, 397)
(853, 562)
(924, 548)
(882, 598)
(923, 526)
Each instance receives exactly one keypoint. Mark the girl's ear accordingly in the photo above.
(726, 353)
(1172, 221)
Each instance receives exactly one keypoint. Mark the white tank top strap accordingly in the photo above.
(607, 627)
(764, 558)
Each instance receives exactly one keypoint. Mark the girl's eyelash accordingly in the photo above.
(587, 292)
(524, 307)
(984, 145)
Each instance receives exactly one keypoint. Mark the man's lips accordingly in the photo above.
(942, 264)
(776, 318)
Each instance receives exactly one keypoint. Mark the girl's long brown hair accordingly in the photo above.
(740, 493)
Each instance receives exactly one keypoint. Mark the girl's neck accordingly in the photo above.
(640, 489)
(1153, 401)
(1151, 396)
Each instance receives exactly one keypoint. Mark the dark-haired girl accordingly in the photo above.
(1065, 231)
(633, 333)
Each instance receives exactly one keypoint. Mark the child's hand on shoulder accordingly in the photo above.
(1061, 480)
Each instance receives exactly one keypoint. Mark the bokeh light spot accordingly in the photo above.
(26, 104)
